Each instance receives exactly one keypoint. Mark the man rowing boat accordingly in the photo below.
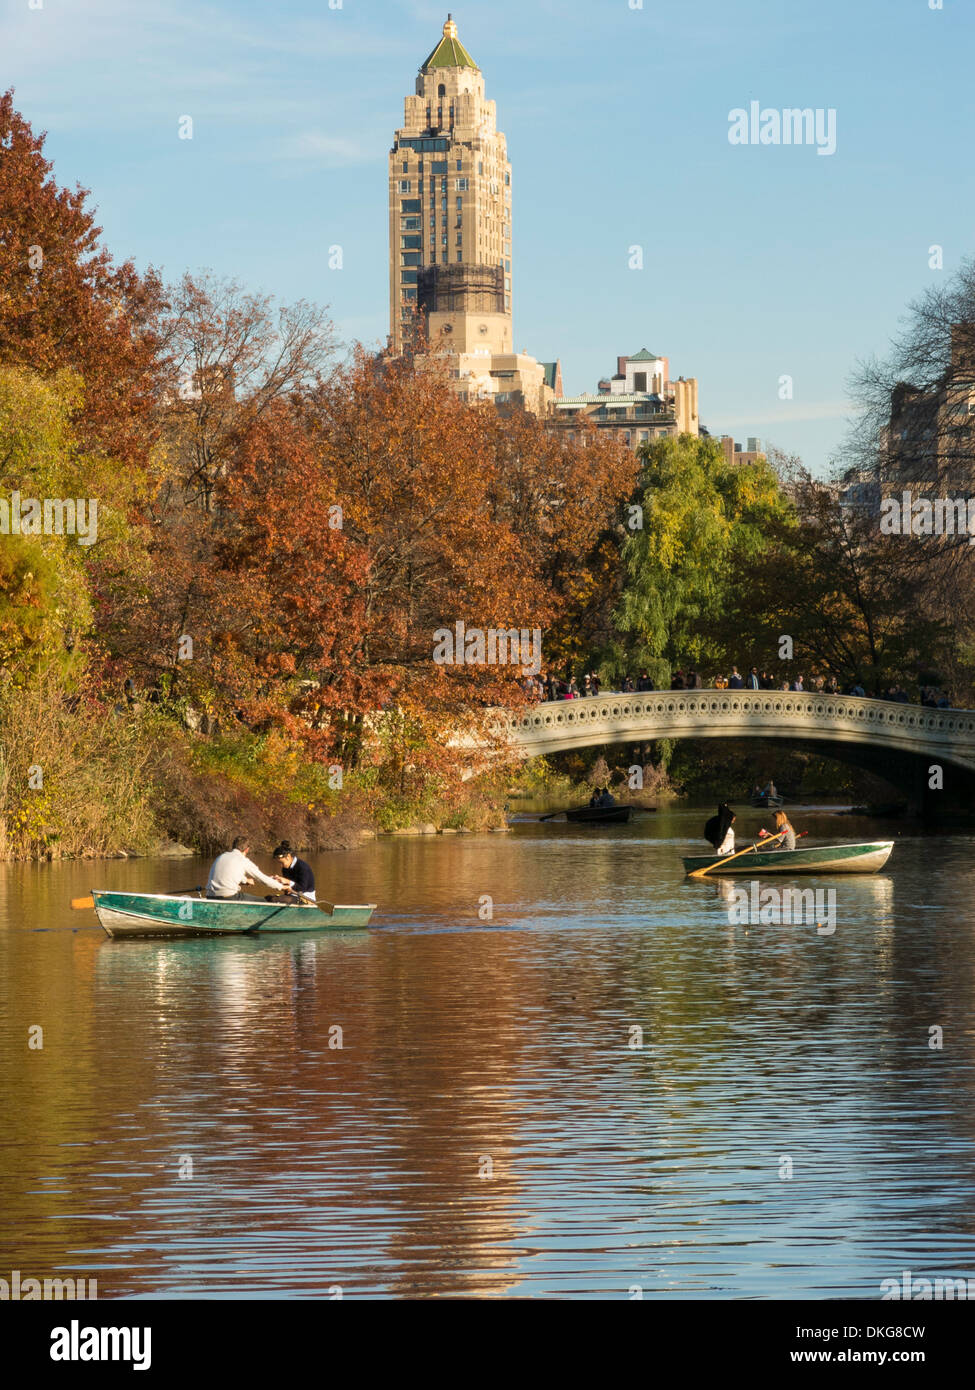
(231, 870)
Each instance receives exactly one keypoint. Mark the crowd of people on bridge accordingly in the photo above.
(548, 686)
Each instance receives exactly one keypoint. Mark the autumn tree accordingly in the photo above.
(564, 498)
(231, 356)
(914, 431)
(65, 304)
(415, 473)
(849, 598)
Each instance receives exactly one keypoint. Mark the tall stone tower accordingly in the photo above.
(450, 211)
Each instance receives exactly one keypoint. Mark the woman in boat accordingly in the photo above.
(719, 830)
(783, 826)
(296, 870)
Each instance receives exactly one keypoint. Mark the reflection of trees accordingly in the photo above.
(359, 1167)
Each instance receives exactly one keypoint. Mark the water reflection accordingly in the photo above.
(595, 1089)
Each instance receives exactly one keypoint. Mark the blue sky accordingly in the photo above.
(760, 261)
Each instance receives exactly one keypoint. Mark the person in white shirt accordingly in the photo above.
(231, 870)
(727, 845)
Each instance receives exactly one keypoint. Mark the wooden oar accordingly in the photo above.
(79, 904)
(327, 908)
(726, 859)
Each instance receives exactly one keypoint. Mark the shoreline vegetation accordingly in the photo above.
(228, 544)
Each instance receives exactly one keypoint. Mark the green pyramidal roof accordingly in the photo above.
(643, 356)
(450, 52)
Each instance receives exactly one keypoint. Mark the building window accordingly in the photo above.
(461, 185)
(441, 90)
(443, 204)
(409, 277)
(411, 258)
(410, 243)
(507, 179)
(409, 295)
(406, 166)
(410, 205)
(639, 381)
(460, 255)
(439, 166)
(460, 204)
(480, 167)
(507, 265)
(445, 255)
(411, 224)
(405, 186)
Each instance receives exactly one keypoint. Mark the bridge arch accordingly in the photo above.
(899, 741)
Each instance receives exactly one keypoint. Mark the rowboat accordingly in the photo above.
(600, 815)
(820, 859)
(768, 799)
(159, 914)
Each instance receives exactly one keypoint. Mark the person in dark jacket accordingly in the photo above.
(718, 831)
(301, 875)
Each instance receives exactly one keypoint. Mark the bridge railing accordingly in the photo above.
(623, 713)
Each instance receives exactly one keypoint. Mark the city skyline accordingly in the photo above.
(759, 261)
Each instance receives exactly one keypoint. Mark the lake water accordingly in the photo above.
(488, 1126)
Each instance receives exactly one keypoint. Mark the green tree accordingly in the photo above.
(703, 519)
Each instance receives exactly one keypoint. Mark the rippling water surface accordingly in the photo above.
(488, 1125)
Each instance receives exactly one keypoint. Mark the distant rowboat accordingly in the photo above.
(820, 859)
(600, 815)
(159, 914)
(768, 799)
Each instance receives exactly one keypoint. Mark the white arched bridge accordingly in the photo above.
(900, 742)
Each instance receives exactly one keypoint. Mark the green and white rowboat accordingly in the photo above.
(158, 914)
(818, 859)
